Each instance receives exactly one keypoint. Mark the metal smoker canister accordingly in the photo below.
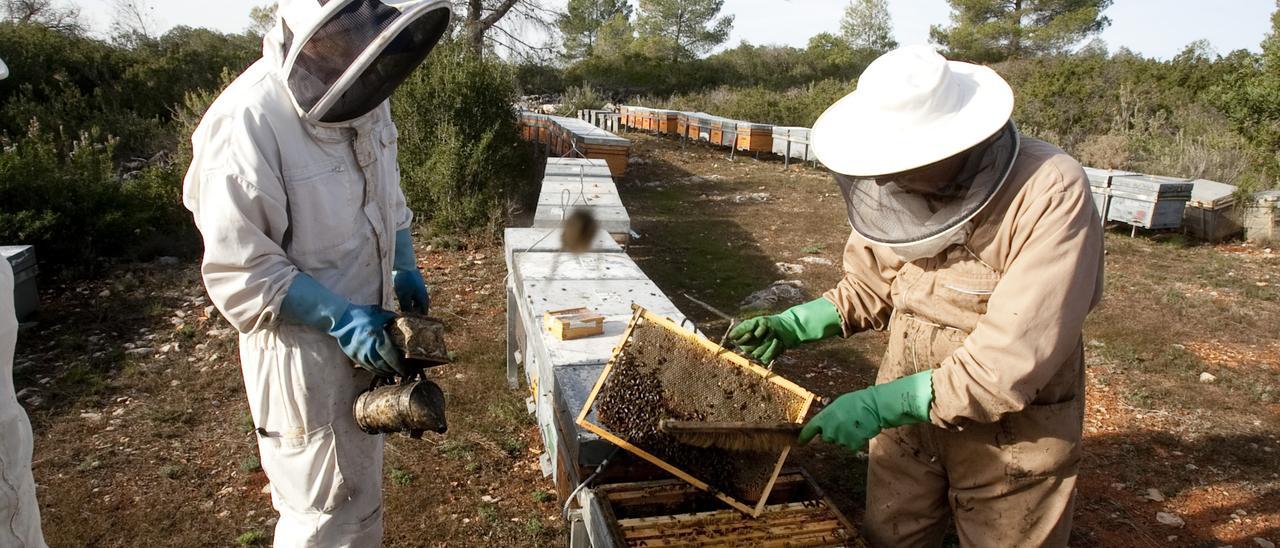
(412, 406)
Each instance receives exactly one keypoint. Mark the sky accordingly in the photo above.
(1155, 28)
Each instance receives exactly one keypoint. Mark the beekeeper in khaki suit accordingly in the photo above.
(296, 190)
(980, 252)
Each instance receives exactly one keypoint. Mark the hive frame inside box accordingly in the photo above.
(797, 491)
(641, 314)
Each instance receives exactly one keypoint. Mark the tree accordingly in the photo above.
(133, 23)
(683, 29)
(45, 13)
(493, 22)
(615, 37)
(262, 19)
(1251, 99)
(995, 30)
(867, 26)
(581, 22)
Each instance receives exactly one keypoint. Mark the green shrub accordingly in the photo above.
(93, 159)
(462, 162)
(68, 202)
(580, 98)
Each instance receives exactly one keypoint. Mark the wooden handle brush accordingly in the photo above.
(734, 436)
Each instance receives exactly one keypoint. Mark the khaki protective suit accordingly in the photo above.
(19, 512)
(999, 319)
(274, 195)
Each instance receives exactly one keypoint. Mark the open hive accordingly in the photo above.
(659, 371)
(673, 513)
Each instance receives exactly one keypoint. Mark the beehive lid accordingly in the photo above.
(660, 371)
(20, 257)
(587, 133)
(1266, 198)
(754, 126)
(783, 131)
(1152, 186)
(1212, 194)
(548, 240)
(1102, 177)
(575, 196)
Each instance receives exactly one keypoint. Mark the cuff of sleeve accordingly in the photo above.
(845, 330)
(271, 313)
(404, 258)
(958, 399)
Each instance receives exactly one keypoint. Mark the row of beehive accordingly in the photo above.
(1207, 210)
(570, 137)
(786, 141)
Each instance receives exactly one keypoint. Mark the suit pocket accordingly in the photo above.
(324, 207)
(1043, 440)
(303, 469)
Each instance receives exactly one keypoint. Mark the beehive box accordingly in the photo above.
(700, 126)
(1100, 187)
(665, 121)
(1148, 201)
(791, 142)
(728, 133)
(672, 513)
(754, 137)
(1211, 213)
(1261, 216)
(575, 137)
(715, 130)
(659, 371)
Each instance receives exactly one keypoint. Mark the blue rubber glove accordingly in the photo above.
(854, 418)
(360, 330)
(406, 279)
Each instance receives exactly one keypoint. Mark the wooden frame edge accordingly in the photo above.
(640, 313)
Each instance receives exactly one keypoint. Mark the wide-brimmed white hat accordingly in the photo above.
(912, 108)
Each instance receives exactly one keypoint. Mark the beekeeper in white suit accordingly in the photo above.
(295, 188)
(19, 512)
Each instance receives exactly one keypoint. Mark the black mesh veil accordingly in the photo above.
(340, 41)
(888, 214)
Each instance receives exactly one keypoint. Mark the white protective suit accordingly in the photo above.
(275, 193)
(19, 513)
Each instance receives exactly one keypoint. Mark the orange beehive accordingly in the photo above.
(717, 130)
(666, 121)
(755, 137)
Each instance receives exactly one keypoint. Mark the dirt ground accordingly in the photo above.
(143, 436)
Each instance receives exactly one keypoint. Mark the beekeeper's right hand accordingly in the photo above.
(361, 330)
(765, 337)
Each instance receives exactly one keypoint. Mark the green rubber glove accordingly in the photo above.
(764, 337)
(856, 417)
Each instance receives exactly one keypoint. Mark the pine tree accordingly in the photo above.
(867, 26)
(582, 21)
(682, 29)
(995, 30)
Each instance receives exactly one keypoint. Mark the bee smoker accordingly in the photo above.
(413, 404)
